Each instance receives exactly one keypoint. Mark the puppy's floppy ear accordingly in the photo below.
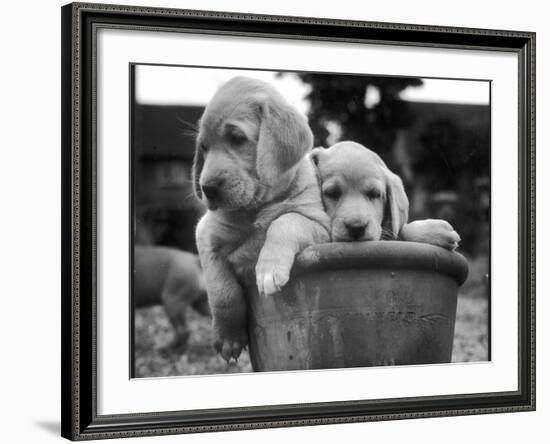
(198, 163)
(284, 138)
(397, 204)
(316, 155)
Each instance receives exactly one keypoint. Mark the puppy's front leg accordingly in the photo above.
(286, 236)
(227, 304)
(431, 231)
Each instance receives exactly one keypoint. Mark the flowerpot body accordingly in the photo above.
(359, 305)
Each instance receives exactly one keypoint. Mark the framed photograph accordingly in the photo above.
(276, 221)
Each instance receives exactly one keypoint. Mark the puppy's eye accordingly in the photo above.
(332, 193)
(203, 147)
(373, 194)
(236, 138)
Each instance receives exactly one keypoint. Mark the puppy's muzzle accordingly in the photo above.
(212, 189)
(356, 231)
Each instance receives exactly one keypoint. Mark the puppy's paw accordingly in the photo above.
(272, 274)
(432, 231)
(443, 234)
(229, 342)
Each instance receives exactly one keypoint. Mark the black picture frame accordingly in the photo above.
(79, 396)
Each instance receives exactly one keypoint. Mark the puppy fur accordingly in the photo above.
(172, 278)
(366, 201)
(252, 172)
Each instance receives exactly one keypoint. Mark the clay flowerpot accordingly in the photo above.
(358, 305)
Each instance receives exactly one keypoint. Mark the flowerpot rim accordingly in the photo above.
(390, 255)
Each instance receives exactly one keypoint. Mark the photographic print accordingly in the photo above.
(345, 220)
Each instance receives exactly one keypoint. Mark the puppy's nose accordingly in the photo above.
(356, 231)
(211, 188)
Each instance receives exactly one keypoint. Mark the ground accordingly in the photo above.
(471, 330)
(153, 330)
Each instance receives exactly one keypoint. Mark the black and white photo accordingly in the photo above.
(281, 165)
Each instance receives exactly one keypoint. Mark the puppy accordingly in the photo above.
(366, 201)
(263, 202)
(172, 278)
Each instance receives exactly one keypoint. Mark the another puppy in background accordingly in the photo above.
(252, 172)
(366, 201)
(173, 279)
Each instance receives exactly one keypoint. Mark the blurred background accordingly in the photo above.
(433, 133)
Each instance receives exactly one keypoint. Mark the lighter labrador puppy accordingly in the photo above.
(366, 201)
(252, 172)
(171, 278)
